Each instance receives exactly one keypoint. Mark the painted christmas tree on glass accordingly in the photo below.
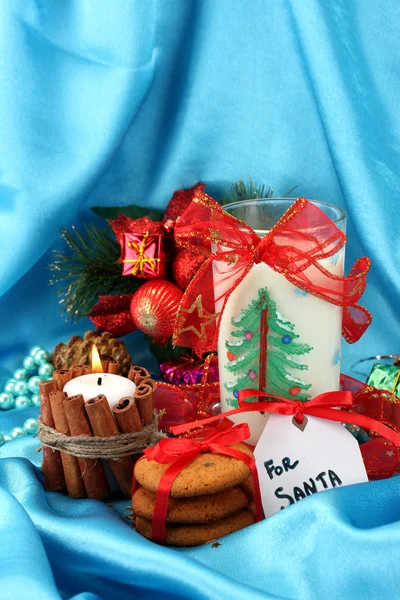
(265, 348)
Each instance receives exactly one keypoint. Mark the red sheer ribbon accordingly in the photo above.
(322, 406)
(180, 452)
(381, 458)
(294, 246)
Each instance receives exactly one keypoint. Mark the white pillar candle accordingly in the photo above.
(114, 387)
(304, 338)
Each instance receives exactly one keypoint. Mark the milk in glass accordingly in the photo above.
(301, 333)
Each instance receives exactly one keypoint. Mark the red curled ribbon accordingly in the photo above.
(322, 406)
(180, 452)
(293, 247)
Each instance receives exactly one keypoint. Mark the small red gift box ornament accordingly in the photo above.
(145, 247)
(145, 255)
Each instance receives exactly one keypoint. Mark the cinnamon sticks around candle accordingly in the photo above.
(103, 425)
(127, 416)
(145, 398)
(72, 472)
(136, 374)
(52, 467)
(93, 474)
(113, 367)
(109, 365)
(62, 376)
(78, 370)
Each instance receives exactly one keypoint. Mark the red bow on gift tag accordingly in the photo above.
(322, 406)
(180, 452)
(293, 247)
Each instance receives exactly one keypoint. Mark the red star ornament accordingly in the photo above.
(199, 321)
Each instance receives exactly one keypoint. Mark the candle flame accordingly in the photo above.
(96, 362)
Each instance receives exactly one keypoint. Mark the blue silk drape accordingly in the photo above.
(120, 101)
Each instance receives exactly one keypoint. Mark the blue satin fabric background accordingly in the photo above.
(118, 101)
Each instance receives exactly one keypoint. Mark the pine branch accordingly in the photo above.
(89, 270)
(165, 352)
(246, 191)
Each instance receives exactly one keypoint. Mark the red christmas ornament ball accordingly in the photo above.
(185, 267)
(294, 390)
(231, 356)
(154, 307)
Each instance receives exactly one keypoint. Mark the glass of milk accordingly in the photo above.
(273, 335)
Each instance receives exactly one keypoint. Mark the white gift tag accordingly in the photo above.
(294, 462)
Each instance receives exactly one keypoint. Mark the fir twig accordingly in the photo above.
(246, 191)
(290, 191)
(89, 270)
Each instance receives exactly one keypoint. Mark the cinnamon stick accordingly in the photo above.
(103, 425)
(109, 364)
(93, 474)
(151, 382)
(52, 468)
(127, 416)
(62, 376)
(144, 396)
(86, 369)
(76, 371)
(113, 367)
(136, 374)
(104, 363)
(72, 472)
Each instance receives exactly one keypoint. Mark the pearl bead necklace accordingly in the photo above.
(22, 390)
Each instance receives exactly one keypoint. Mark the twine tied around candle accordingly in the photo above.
(110, 448)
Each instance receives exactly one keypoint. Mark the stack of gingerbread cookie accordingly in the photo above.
(210, 498)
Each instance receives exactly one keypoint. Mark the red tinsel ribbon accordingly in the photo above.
(293, 247)
(180, 452)
(184, 402)
(381, 405)
(381, 458)
(322, 406)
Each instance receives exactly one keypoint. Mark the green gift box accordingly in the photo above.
(385, 377)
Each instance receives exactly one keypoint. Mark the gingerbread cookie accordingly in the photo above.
(252, 509)
(248, 486)
(200, 509)
(194, 535)
(207, 474)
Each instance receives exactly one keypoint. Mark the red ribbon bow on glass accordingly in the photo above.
(180, 452)
(293, 247)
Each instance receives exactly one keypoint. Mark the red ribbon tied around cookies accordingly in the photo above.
(180, 452)
(293, 247)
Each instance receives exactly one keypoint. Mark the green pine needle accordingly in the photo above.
(89, 270)
(246, 191)
(249, 191)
